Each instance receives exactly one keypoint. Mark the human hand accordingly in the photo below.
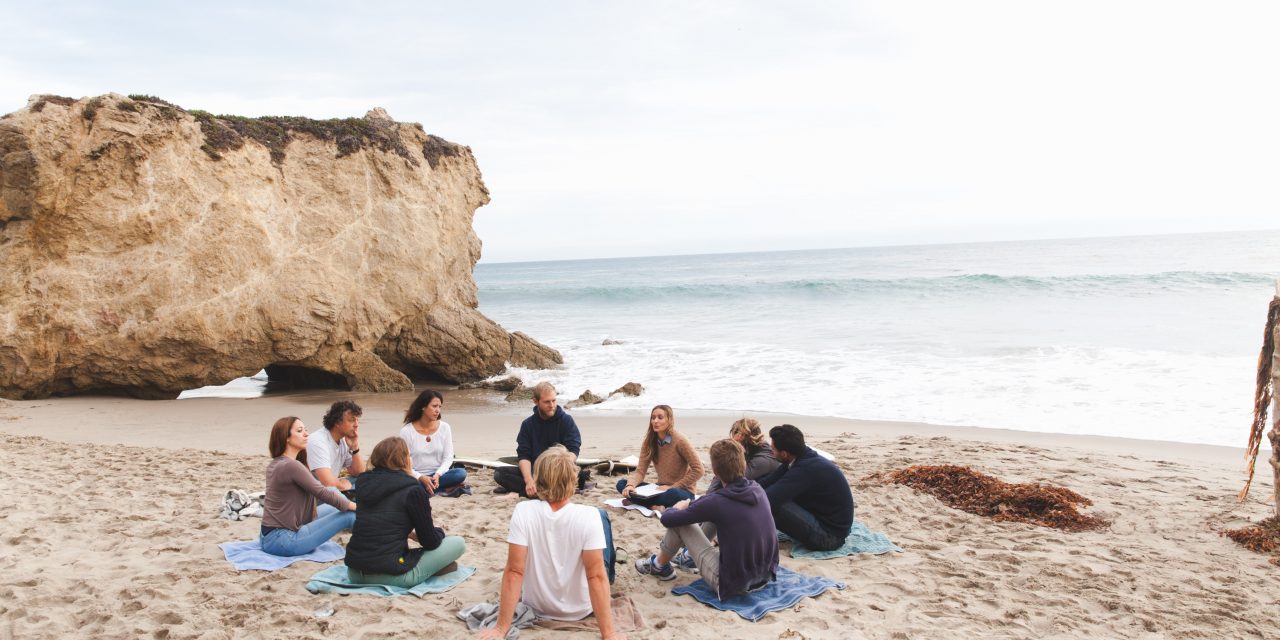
(427, 484)
(435, 482)
(344, 484)
(493, 633)
(663, 487)
(615, 636)
(353, 507)
(353, 442)
(530, 489)
(680, 505)
(627, 491)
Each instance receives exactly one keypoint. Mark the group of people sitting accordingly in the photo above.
(560, 556)
(307, 499)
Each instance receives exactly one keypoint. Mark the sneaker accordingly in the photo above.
(684, 561)
(649, 567)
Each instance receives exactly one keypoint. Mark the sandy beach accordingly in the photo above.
(113, 528)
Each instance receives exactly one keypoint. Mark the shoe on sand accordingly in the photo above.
(649, 567)
(684, 561)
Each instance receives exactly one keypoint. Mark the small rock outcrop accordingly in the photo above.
(587, 398)
(629, 389)
(146, 249)
(509, 383)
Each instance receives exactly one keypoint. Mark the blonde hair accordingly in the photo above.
(749, 429)
(555, 474)
(728, 460)
(650, 436)
(541, 389)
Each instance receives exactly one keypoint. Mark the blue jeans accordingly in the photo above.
(803, 527)
(609, 553)
(329, 521)
(665, 499)
(452, 477)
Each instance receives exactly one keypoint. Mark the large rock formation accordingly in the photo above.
(145, 249)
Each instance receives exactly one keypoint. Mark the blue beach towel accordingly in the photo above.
(788, 589)
(860, 540)
(335, 580)
(249, 555)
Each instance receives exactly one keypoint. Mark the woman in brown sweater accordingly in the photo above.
(673, 458)
(292, 525)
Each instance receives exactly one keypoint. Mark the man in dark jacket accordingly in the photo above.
(808, 494)
(747, 557)
(548, 426)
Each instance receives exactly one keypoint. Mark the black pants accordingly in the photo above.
(511, 479)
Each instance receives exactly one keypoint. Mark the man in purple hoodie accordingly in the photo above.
(747, 557)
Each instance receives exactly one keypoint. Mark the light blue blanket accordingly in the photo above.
(860, 540)
(788, 589)
(335, 580)
(249, 555)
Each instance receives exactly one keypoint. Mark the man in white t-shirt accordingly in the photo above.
(337, 447)
(556, 552)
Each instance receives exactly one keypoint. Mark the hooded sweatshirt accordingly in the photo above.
(388, 505)
(537, 434)
(744, 524)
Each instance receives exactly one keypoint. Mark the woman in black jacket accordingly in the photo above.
(394, 508)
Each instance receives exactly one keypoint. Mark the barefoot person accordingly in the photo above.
(394, 508)
(808, 494)
(557, 552)
(674, 461)
(748, 553)
(549, 425)
(292, 524)
(337, 447)
(430, 441)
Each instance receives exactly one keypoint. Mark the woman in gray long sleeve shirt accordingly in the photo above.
(292, 524)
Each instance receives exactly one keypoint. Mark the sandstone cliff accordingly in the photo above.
(146, 249)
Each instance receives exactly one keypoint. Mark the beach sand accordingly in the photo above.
(112, 531)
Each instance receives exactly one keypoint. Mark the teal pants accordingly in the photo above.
(450, 550)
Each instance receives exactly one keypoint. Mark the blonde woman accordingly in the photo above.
(760, 460)
(674, 461)
(394, 508)
(559, 554)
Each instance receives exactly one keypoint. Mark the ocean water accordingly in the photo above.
(1151, 337)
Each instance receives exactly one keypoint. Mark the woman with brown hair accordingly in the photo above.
(673, 458)
(395, 508)
(292, 524)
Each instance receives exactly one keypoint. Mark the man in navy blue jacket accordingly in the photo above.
(748, 553)
(548, 426)
(808, 495)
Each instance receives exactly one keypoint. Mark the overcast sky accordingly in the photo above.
(641, 128)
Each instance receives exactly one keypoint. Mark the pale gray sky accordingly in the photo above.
(611, 128)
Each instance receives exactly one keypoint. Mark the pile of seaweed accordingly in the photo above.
(1263, 537)
(968, 490)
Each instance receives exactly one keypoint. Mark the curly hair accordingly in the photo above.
(338, 409)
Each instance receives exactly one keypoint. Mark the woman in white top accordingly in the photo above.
(430, 441)
(558, 553)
